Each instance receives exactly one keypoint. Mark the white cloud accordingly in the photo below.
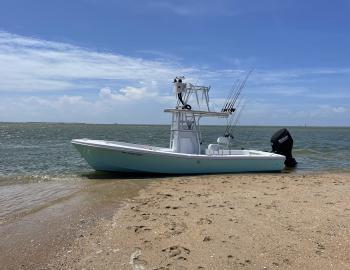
(29, 64)
(215, 8)
(107, 108)
(340, 94)
(282, 90)
(34, 72)
(340, 109)
(127, 94)
(123, 107)
(261, 112)
(187, 8)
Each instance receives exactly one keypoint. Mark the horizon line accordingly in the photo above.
(152, 124)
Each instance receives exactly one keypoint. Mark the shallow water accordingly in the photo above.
(39, 164)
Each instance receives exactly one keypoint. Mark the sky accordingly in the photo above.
(110, 61)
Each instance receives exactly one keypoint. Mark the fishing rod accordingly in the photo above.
(237, 118)
(239, 91)
(230, 96)
(232, 117)
(230, 106)
(236, 98)
(234, 120)
(235, 93)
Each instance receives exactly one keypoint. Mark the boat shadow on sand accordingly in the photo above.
(101, 175)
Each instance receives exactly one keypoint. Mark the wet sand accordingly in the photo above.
(32, 238)
(241, 221)
(249, 221)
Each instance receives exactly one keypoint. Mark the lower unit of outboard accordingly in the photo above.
(282, 143)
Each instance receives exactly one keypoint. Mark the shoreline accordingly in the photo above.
(39, 233)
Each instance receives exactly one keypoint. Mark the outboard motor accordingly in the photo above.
(282, 143)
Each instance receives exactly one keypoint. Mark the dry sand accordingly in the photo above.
(242, 221)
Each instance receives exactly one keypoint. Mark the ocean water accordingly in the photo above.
(39, 164)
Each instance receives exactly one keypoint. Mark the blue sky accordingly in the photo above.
(113, 61)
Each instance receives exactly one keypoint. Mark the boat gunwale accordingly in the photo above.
(139, 150)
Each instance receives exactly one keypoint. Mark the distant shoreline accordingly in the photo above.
(123, 124)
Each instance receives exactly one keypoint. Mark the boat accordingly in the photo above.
(185, 154)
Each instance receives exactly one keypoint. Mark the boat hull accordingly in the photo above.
(120, 158)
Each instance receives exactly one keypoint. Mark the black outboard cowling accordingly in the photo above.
(282, 143)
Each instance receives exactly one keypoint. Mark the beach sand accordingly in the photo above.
(241, 221)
